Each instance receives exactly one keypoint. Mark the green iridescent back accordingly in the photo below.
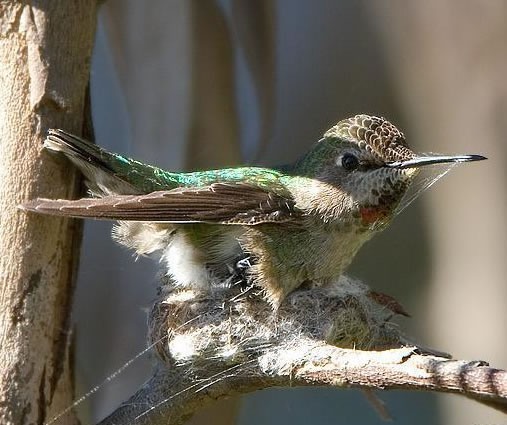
(150, 179)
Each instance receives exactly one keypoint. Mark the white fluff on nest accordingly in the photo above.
(231, 327)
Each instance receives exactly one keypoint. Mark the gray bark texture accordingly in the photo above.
(45, 49)
(214, 347)
(174, 399)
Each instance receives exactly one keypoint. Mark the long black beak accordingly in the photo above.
(431, 160)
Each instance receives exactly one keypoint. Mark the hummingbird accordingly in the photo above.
(279, 228)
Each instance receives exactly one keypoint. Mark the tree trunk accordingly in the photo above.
(45, 49)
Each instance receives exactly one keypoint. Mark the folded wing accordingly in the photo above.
(222, 203)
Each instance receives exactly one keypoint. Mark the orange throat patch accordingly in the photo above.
(371, 215)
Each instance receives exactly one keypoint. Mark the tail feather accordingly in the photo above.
(97, 165)
(108, 173)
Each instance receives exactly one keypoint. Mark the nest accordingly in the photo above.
(234, 325)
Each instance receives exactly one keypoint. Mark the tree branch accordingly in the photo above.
(216, 346)
(45, 50)
(319, 365)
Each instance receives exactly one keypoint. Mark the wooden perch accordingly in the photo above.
(170, 398)
(217, 346)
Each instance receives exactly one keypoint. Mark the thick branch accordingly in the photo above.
(159, 401)
(216, 346)
(403, 369)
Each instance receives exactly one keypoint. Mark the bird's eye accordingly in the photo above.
(349, 162)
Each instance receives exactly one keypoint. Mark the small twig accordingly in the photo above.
(377, 404)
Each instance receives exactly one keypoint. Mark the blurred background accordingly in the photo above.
(189, 84)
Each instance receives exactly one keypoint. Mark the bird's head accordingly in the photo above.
(367, 158)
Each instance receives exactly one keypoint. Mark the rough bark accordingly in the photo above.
(215, 346)
(45, 49)
(170, 397)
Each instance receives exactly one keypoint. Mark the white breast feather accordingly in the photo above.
(185, 264)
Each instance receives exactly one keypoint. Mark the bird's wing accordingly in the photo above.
(224, 203)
